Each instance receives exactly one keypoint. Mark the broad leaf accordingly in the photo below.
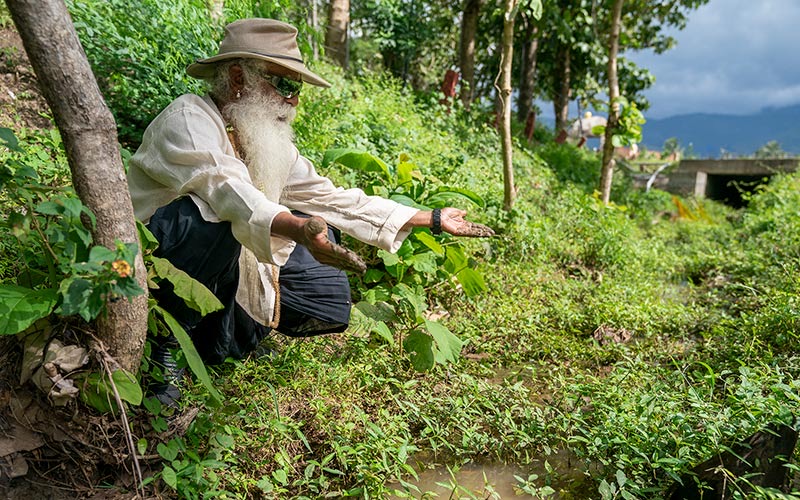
(446, 195)
(197, 296)
(448, 346)
(20, 307)
(407, 201)
(98, 392)
(358, 160)
(430, 242)
(9, 139)
(424, 262)
(472, 281)
(419, 346)
(383, 331)
(192, 357)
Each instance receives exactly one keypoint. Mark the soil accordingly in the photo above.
(48, 452)
(21, 102)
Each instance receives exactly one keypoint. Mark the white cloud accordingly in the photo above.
(735, 56)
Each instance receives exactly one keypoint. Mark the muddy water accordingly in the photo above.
(566, 477)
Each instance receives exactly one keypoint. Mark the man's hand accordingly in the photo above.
(453, 222)
(315, 238)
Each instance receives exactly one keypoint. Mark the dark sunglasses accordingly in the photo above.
(286, 87)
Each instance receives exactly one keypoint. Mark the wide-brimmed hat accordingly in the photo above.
(265, 39)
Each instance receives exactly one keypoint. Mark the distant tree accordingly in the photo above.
(527, 74)
(336, 36)
(772, 149)
(607, 167)
(466, 50)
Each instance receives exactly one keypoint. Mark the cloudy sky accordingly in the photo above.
(733, 57)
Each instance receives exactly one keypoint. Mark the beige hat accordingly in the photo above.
(265, 39)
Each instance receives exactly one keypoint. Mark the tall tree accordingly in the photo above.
(504, 93)
(466, 52)
(607, 168)
(90, 140)
(336, 36)
(527, 78)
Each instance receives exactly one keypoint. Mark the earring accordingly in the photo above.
(238, 94)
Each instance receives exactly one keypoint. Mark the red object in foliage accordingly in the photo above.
(530, 125)
(562, 137)
(450, 82)
(581, 142)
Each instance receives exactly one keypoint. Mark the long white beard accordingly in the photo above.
(264, 132)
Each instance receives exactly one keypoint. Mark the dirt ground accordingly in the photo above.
(21, 103)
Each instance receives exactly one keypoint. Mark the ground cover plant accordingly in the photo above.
(618, 345)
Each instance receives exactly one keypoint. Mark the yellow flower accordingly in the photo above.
(122, 268)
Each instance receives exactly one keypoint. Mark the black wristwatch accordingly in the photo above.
(436, 221)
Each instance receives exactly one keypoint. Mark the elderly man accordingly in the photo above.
(220, 183)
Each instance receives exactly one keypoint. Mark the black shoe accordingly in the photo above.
(167, 392)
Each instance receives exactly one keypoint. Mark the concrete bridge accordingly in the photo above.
(724, 180)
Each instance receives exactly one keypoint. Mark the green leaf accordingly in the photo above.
(128, 388)
(20, 307)
(149, 241)
(141, 446)
(404, 170)
(99, 253)
(407, 201)
(383, 332)
(97, 392)
(448, 346)
(373, 275)
(169, 453)
(379, 311)
(358, 160)
(197, 296)
(471, 281)
(170, 477)
(419, 346)
(192, 357)
(9, 139)
(424, 262)
(429, 241)
(446, 195)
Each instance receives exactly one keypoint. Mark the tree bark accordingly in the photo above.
(466, 56)
(510, 192)
(90, 140)
(336, 39)
(561, 99)
(607, 169)
(528, 74)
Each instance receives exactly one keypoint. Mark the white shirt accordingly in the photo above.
(186, 151)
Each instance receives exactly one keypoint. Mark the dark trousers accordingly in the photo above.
(315, 299)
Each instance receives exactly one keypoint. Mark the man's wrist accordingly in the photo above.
(436, 221)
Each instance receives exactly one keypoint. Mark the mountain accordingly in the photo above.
(741, 135)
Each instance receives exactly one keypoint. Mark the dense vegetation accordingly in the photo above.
(626, 342)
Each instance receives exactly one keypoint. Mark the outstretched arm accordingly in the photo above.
(452, 221)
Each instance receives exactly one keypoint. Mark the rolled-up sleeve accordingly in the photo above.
(371, 219)
(187, 152)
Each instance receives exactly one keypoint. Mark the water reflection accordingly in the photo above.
(560, 478)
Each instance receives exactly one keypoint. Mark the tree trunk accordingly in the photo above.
(528, 74)
(607, 169)
(336, 39)
(561, 99)
(90, 140)
(510, 192)
(466, 56)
